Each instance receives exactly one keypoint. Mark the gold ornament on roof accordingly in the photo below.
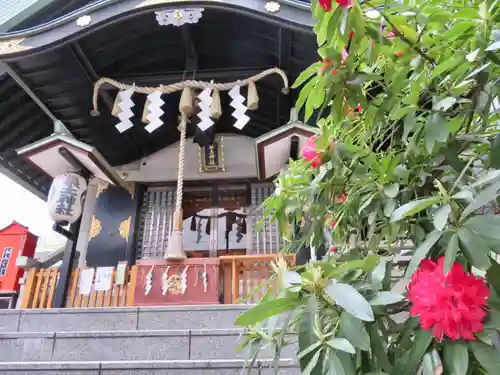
(95, 228)
(124, 228)
(12, 46)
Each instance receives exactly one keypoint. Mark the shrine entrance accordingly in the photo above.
(215, 221)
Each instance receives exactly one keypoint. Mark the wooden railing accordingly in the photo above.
(246, 278)
(40, 285)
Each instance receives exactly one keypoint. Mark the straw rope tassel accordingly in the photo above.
(182, 85)
(252, 97)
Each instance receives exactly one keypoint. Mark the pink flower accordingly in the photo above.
(310, 152)
(344, 3)
(452, 305)
(391, 35)
(333, 250)
(359, 108)
(326, 5)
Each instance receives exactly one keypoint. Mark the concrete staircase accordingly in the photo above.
(183, 340)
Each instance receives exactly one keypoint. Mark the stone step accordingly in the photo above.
(195, 344)
(122, 319)
(193, 367)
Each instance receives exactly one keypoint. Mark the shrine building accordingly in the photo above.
(158, 127)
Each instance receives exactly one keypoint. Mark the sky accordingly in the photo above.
(17, 203)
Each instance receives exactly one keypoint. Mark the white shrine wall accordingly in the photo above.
(240, 161)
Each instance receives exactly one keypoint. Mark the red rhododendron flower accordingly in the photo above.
(326, 5)
(344, 3)
(351, 35)
(333, 250)
(452, 305)
(310, 152)
(399, 53)
(359, 108)
(334, 72)
(341, 198)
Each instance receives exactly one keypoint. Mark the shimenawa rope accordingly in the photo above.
(181, 85)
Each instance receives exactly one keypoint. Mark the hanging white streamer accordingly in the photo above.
(240, 109)
(204, 102)
(154, 111)
(125, 104)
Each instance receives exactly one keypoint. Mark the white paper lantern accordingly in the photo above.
(66, 198)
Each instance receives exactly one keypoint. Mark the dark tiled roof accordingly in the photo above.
(227, 44)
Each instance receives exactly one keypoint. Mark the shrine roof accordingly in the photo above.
(58, 59)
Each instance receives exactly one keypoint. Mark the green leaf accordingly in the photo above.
(493, 276)
(308, 350)
(485, 226)
(378, 349)
(389, 207)
(493, 46)
(378, 275)
(446, 65)
(490, 177)
(307, 335)
(354, 330)
(485, 196)
(386, 298)
(444, 104)
(366, 202)
(421, 252)
(436, 130)
(335, 366)
(409, 124)
(441, 217)
(451, 253)
(293, 281)
(474, 248)
(341, 344)
(350, 300)
(265, 310)
(413, 207)
(456, 357)
(306, 74)
(486, 356)
(391, 190)
(420, 344)
(312, 363)
(492, 320)
(305, 92)
(494, 156)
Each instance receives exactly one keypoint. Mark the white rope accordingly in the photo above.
(180, 174)
(182, 85)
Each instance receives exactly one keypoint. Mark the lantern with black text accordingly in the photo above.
(66, 198)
